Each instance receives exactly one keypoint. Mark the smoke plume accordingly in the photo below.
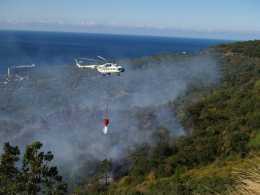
(63, 106)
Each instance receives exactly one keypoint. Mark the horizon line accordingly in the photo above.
(124, 34)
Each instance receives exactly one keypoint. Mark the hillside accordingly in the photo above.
(222, 142)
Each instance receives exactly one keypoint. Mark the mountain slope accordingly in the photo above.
(224, 133)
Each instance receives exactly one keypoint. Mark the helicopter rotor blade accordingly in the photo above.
(102, 58)
(90, 59)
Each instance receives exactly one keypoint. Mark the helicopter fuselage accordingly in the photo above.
(105, 69)
(110, 68)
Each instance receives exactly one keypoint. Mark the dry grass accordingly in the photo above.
(247, 181)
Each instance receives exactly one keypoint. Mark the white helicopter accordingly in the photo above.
(105, 68)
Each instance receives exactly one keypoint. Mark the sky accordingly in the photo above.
(223, 19)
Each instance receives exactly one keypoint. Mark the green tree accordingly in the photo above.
(40, 176)
(35, 176)
(9, 173)
(104, 169)
(140, 163)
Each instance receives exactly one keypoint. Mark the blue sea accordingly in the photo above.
(58, 48)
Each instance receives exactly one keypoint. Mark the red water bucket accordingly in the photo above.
(106, 121)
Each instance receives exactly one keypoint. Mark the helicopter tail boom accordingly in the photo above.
(85, 66)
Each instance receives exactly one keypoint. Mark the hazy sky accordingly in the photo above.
(230, 19)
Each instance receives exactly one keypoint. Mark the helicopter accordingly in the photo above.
(105, 68)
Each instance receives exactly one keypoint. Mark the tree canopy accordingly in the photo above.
(31, 176)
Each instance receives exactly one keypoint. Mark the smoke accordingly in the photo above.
(63, 107)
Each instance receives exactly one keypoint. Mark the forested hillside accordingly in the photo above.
(222, 141)
(219, 153)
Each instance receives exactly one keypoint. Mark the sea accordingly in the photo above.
(60, 48)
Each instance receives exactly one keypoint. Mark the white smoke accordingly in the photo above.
(63, 106)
